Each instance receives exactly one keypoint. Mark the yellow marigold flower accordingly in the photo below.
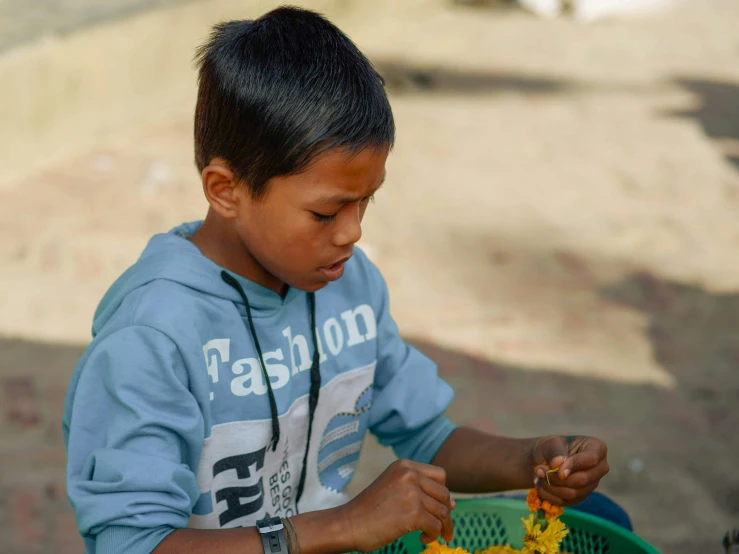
(551, 537)
(533, 532)
(436, 548)
(546, 541)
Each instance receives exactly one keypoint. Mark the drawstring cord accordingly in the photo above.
(315, 377)
(229, 279)
(315, 388)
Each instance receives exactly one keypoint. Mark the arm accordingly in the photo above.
(407, 497)
(407, 414)
(479, 462)
(409, 398)
(133, 431)
(131, 425)
(322, 532)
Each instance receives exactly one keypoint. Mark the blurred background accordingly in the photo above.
(559, 228)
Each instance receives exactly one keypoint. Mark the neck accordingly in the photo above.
(219, 242)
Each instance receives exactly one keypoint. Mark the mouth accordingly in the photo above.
(335, 270)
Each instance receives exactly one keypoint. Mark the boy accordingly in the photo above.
(236, 367)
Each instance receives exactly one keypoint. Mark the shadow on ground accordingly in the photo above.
(717, 111)
(695, 336)
(673, 452)
(673, 460)
(408, 78)
(35, 516)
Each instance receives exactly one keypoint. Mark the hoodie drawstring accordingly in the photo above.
(315, 389)
(315, 377)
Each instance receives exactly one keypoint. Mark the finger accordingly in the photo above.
(443, 514)
(545, 472)
(582, 494)
(564, 494)
(544, 494)
(557, 461)
(431, 526)
(589, 452)
(540, 471)
(580, 479)
(415, 468)
(570, 497)
(436, 491)
(579, 462)
(432, 472)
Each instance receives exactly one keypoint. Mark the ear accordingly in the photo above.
(220, 188)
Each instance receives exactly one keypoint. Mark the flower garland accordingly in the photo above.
(535, 504)
(543, 532)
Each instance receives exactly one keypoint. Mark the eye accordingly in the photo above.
(323, 218)
(369, 199)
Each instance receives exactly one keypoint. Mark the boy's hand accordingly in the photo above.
(407, 497)
(581, 463)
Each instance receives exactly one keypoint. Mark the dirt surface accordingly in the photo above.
(23, 21)
(558, 230)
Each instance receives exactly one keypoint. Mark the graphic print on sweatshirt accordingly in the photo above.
(242, 480)
(339, 449)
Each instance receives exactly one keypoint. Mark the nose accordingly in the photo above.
(350, 230)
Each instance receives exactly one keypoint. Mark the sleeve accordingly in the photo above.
(409, 397)
(134, 433)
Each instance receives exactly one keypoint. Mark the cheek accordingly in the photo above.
(263, 233)
(284, 237)
(296, 238)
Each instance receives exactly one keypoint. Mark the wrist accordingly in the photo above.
(324, 532)
(529, 462)
(343, 528)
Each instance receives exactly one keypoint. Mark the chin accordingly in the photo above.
(314, 286)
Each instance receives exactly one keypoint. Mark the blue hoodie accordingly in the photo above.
(168, 420)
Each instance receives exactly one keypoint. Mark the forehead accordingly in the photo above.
(337, 171)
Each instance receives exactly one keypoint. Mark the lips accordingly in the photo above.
(337, 264)
(334, 271)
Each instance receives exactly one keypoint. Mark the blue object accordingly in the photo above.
(167, 419)
(601, 506)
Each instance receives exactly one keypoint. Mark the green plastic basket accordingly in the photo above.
(482, 522)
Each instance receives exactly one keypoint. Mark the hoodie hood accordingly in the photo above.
(173, 257)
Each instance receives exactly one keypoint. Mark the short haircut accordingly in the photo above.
(276, 92)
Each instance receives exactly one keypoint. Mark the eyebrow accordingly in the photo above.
(346, 198)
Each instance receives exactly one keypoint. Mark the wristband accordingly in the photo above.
(272, 532)
(293, 545)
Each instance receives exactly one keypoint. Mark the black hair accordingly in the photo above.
(278, 91)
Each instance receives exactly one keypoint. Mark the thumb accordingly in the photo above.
(578, 462)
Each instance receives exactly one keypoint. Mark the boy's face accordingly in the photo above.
(304, 228)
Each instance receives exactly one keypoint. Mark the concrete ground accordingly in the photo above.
(558, 230)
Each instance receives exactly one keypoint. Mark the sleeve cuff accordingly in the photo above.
(131, 540)
(424, 443)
